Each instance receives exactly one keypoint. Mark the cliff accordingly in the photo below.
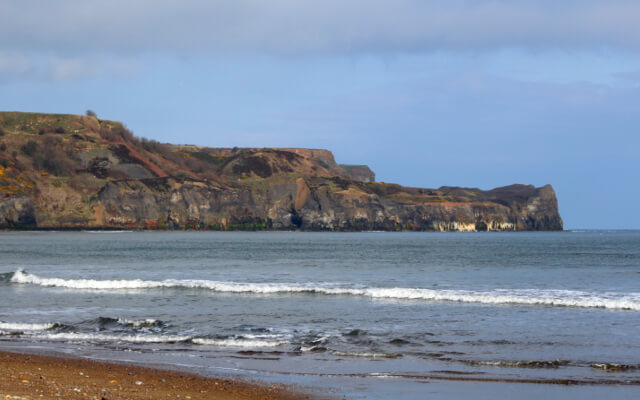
(67, 171)
(359, 172)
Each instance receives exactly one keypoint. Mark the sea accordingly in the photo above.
(372, 315)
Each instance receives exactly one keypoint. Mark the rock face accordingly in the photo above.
(308, 205)
(99, 176)
(360, 173)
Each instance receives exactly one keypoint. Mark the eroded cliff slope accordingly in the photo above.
(68, 171)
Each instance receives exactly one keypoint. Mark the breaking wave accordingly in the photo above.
(554, 298)
(615, 367)
(106, 337)
(366, 355)
(43, 332)
(520, 364)
(137, 332)
(237, 342)
(142, 323)
(103, 337)
(12, 326)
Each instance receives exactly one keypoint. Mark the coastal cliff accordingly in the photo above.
(76, 172)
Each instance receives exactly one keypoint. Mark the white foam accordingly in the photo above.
(237, 342)
(102, 337)
(16, 326)
(77, 336)
(139, 323)
(108, 231)
(264, 336)
(22, 277)
(366, 355)
(562, 298)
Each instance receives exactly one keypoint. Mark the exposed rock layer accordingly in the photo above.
(62, 171)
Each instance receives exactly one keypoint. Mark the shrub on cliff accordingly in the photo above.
(116, 133)
(29, 148)
(154, 146)
(53, 158)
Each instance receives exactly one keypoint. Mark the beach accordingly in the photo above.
(27, 376)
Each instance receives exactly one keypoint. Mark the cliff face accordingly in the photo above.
(61, 171)
(360, 173)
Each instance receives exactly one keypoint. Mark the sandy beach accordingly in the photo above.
(26, 376)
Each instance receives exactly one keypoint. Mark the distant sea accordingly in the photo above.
(360, 315)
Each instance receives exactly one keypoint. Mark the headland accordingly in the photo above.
(60, 171)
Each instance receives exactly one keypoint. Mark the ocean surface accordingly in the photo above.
(360, 315)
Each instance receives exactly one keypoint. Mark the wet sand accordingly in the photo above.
(26, 376)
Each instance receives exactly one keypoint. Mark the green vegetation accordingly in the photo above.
(330, 184)
(59, 181)
(213, 159)
(419, 199)
(34, 123)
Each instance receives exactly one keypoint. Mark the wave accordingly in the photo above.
(145, 338)
(6, 276)
(140, 323)
(106, 231)
(119, 324)
(615, 367)
(102, 337)
(237, 342)
(547, 297)
(56, 331)
(366, 355)
(15, 326)
(520, 364)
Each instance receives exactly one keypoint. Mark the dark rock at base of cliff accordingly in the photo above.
(17, 213)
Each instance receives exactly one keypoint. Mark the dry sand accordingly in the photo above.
(25, 376)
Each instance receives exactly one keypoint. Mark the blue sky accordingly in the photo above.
(473, 93)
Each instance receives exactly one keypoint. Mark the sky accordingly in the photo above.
(474, 93)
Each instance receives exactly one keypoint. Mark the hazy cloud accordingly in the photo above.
(315, 27)
(16, 66)
(629, 76)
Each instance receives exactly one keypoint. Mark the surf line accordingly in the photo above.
(533, 297)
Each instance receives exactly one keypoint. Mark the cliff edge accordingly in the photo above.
(76, 172)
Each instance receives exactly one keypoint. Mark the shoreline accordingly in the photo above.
(27, 376)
